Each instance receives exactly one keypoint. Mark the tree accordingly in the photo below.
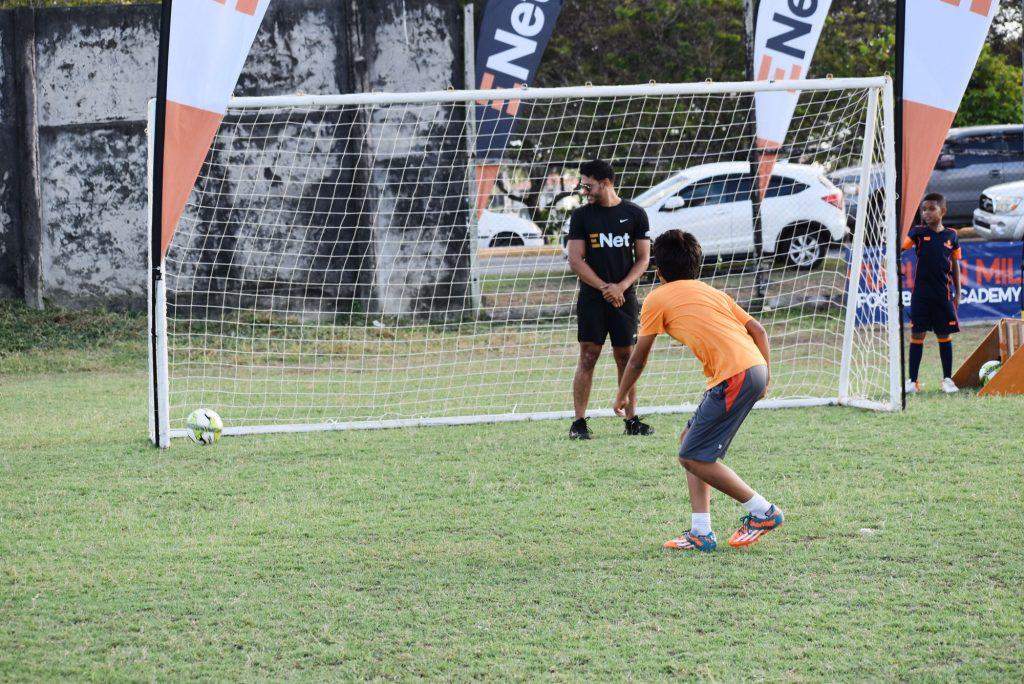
(994, 93)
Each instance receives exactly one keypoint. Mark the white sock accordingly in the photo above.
(757, 505)
(700, 523)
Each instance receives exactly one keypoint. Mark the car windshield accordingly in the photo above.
(652, 196)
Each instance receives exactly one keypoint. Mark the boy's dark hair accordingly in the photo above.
(598, 170)
(936, 197)
(678, 255)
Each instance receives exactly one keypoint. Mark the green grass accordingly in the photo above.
(496, 551)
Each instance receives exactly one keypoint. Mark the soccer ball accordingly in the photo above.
(204, 426)
(988, 371)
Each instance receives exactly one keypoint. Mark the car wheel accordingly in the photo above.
(506, 240)
(803, 246)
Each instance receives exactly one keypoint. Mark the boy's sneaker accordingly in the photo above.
(693, 542)
(948, 386)
(913, 387)
(756, 526)
(634, 426)
(579, 429)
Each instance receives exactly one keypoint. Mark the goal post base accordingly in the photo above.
(765, 404)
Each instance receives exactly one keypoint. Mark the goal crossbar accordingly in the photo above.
(589, 91)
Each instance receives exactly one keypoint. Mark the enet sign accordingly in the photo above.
(513, 36)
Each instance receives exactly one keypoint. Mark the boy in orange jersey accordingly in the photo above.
(733, 349)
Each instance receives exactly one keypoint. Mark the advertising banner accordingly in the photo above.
(990, 283)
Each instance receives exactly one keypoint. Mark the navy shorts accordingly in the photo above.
(937, 315)
(720, 414)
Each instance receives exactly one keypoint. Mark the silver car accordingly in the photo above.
(971, 160)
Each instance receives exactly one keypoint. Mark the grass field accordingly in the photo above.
(495, 552)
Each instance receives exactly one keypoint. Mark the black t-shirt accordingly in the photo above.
(936, 253)
(610, 235)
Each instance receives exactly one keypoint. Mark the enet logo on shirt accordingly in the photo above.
(599, 240)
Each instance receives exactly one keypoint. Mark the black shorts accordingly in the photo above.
(937, 315)
(596, 319)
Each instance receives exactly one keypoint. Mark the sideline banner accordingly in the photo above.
(208, 42)
(990, 283)
(785, 38)
(513, 36)
(942, 40)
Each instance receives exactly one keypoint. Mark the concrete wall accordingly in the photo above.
(95, 72)
(413, 44)
(10, 251)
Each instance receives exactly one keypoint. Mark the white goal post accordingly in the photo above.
(332, 270)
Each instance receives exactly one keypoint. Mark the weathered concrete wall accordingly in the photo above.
(10, 252)
(96, 71)
(277, 226)
(419, 186)
(266, 236)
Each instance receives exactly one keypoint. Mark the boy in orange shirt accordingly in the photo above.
(733, 349)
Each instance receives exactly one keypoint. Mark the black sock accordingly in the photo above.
(946, 354)
(916, 351)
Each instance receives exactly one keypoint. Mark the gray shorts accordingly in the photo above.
(720, 414)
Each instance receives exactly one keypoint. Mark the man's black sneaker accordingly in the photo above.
(634, 426)
(579, 429)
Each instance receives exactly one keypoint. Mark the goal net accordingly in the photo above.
(352, 261)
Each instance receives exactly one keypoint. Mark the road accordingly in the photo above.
(512, 265)
(500, 264)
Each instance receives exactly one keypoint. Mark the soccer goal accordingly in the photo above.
(351, 261)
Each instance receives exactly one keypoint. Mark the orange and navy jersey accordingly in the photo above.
(937, 252)
(707, 321)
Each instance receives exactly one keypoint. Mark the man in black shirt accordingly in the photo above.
(609, 249)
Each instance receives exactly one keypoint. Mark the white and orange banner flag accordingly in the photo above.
(208, 46)
(785, 38)
(941, 43)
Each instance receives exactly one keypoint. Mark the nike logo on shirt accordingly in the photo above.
(623, 220)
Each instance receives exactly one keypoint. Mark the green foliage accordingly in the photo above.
(994, 94)
(855, 43)
(633, 41)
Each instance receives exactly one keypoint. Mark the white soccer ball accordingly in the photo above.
(204, 426)
(988, 371)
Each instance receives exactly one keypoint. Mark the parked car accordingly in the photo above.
(971, 160)
(1000, 214)
(801, 215)
(507, 230)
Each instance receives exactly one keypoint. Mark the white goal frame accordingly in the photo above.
(161, 431)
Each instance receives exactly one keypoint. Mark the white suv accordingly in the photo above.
(801, 215)
(1000, 215)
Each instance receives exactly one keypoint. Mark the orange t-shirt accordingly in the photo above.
(707, 321)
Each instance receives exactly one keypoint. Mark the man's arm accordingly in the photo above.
(760, 337)
(643, 258)
(634, 367)
(577, 250)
